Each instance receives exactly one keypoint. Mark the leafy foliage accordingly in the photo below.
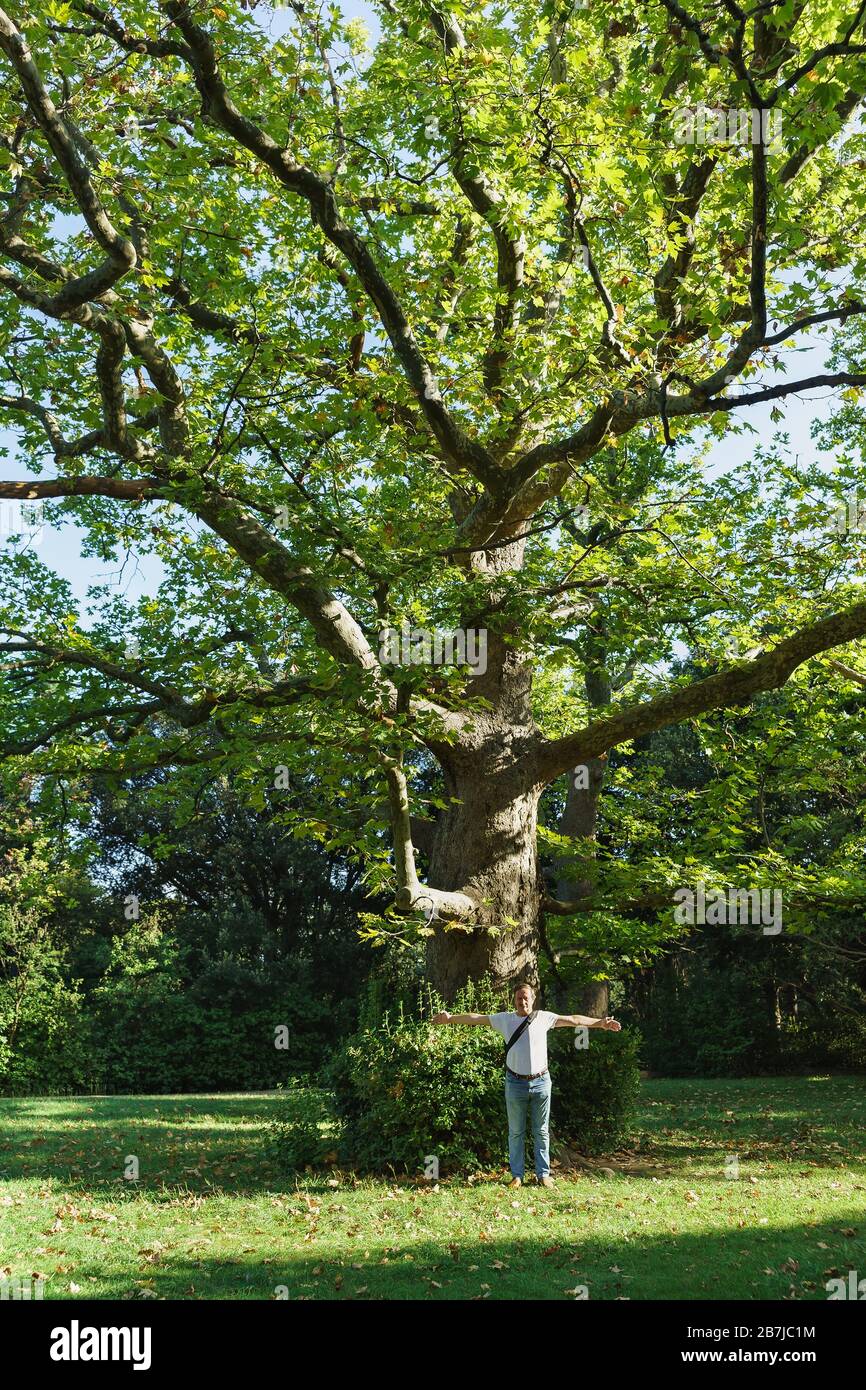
(240, 932)
(730, 1006)
(46, 1037)
(157, 1029)
(350, 339)
(405, 1092)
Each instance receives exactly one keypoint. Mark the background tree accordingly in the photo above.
(156, 935)
(438, 334)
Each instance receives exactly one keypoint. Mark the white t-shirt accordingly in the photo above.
(529, 1053)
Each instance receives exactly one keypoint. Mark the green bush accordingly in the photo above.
(309, 1135)
(158, 1031)
(836, 1041)
(45, 1037)
(405, 1091)
(45, 1040)
(714, 1024)
(594, 1090)
(712, 1010)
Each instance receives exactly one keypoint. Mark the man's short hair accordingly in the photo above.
(525, 985)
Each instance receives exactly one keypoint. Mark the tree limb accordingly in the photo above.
(736, 685)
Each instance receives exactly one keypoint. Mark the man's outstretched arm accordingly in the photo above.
(471, 1019)
(582, 1021)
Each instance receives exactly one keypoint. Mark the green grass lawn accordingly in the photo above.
(211, 1218)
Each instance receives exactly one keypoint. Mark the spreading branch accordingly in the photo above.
(736, 685)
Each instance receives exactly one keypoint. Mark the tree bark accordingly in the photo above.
(486, 846)
(485, 843)
(579, 820)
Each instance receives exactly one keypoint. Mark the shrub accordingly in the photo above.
(45, 1040)
(44, 1034)
(713, 1011)
(712, 1025)
(157, 1031)
(404, 1091)
(594, 1090)
(308, 1134)
(811, 1044)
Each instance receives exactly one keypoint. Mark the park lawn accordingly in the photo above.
(211, 1218)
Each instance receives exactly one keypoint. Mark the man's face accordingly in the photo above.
(523, 1001)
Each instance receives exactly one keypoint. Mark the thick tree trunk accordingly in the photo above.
(485, 843)
(486, 846)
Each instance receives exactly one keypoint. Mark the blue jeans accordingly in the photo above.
(533, 1096)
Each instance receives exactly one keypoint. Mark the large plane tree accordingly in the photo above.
(457, 332)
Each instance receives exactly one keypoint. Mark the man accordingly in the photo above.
(527, 1080)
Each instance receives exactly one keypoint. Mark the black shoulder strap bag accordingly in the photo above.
(518, 1033)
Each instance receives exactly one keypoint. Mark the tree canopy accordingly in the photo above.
(444, 332)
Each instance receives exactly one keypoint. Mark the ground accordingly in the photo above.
(749, 1189)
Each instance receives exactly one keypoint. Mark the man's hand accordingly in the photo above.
(441, 1018)
(582, 1021)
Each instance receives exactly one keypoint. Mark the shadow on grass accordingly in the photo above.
(202, 1143)
(132, 1107)
(84, 1142)
(780, 1264)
